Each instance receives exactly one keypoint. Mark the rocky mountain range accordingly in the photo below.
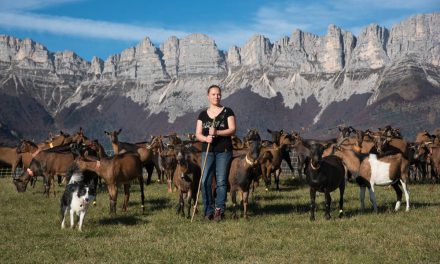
(303, 82)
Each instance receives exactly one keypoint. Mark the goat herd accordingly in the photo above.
(368, 158)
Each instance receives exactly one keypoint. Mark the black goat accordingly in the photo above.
(325, 175)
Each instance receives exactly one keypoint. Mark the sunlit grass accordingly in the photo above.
(277, 231)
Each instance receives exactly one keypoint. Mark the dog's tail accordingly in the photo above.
(74, 174)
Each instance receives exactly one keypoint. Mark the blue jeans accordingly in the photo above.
(217, 164)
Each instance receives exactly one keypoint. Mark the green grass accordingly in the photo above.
(277, 231)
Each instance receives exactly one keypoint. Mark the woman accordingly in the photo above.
(218, 135)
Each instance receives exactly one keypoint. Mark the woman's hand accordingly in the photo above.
(209, 139)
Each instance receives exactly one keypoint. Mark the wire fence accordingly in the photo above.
(7, 172)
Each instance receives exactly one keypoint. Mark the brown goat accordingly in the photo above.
(46, 163)
(373, 170)
(244, 170)
(420, 156)
(434, 157)
(384, 144)
(116, 170)
(54, 141)
(423, 137)
(186, 178)
(28, 150)
(168, 164)
(146, 152)
(237, 143)
(9, 157)
(278, 152)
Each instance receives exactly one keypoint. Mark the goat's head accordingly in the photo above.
(276, 135)
(345, 131)
(252, 134)
(168, 157)
(254, 151)
(22, 181)
(316, 151)
(381, 143)
(26, 146)
(191, 137)
(421, 151)
(113, 135)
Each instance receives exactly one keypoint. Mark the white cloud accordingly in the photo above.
(272, 20)
(84, 27)
(388, 4)
(276, 20)
(22, 5)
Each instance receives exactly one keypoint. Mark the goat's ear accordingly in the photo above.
(119, 131)
(281, 131)
(270, 131)
(107, 133)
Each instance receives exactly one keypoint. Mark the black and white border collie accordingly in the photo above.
(79, 193)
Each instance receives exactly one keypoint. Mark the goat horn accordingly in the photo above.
(338, 144)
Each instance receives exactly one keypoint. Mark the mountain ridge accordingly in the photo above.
(168, 83)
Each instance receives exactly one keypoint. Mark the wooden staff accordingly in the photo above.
(200, 181)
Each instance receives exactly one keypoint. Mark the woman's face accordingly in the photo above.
(214, 96)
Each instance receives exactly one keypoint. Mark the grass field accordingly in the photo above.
(277, 231)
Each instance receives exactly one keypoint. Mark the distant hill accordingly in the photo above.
(303, 82)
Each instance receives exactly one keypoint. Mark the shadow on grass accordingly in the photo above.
(295, 183)
(385, 208)
(270, 196)
(421, 204)
(159, 203)
(272, 209)
(303, 208)
(128, 220)
(286, 185)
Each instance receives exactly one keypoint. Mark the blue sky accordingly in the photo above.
(104, 27)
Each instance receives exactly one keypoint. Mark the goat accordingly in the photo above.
(145, 152)
(186, 178)
(47, 163)
(243, 171)
(369, 170)
(325, 175)
(119, 169)
(278, 152)
(10, 157)
(434, 156)
(168, 164)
